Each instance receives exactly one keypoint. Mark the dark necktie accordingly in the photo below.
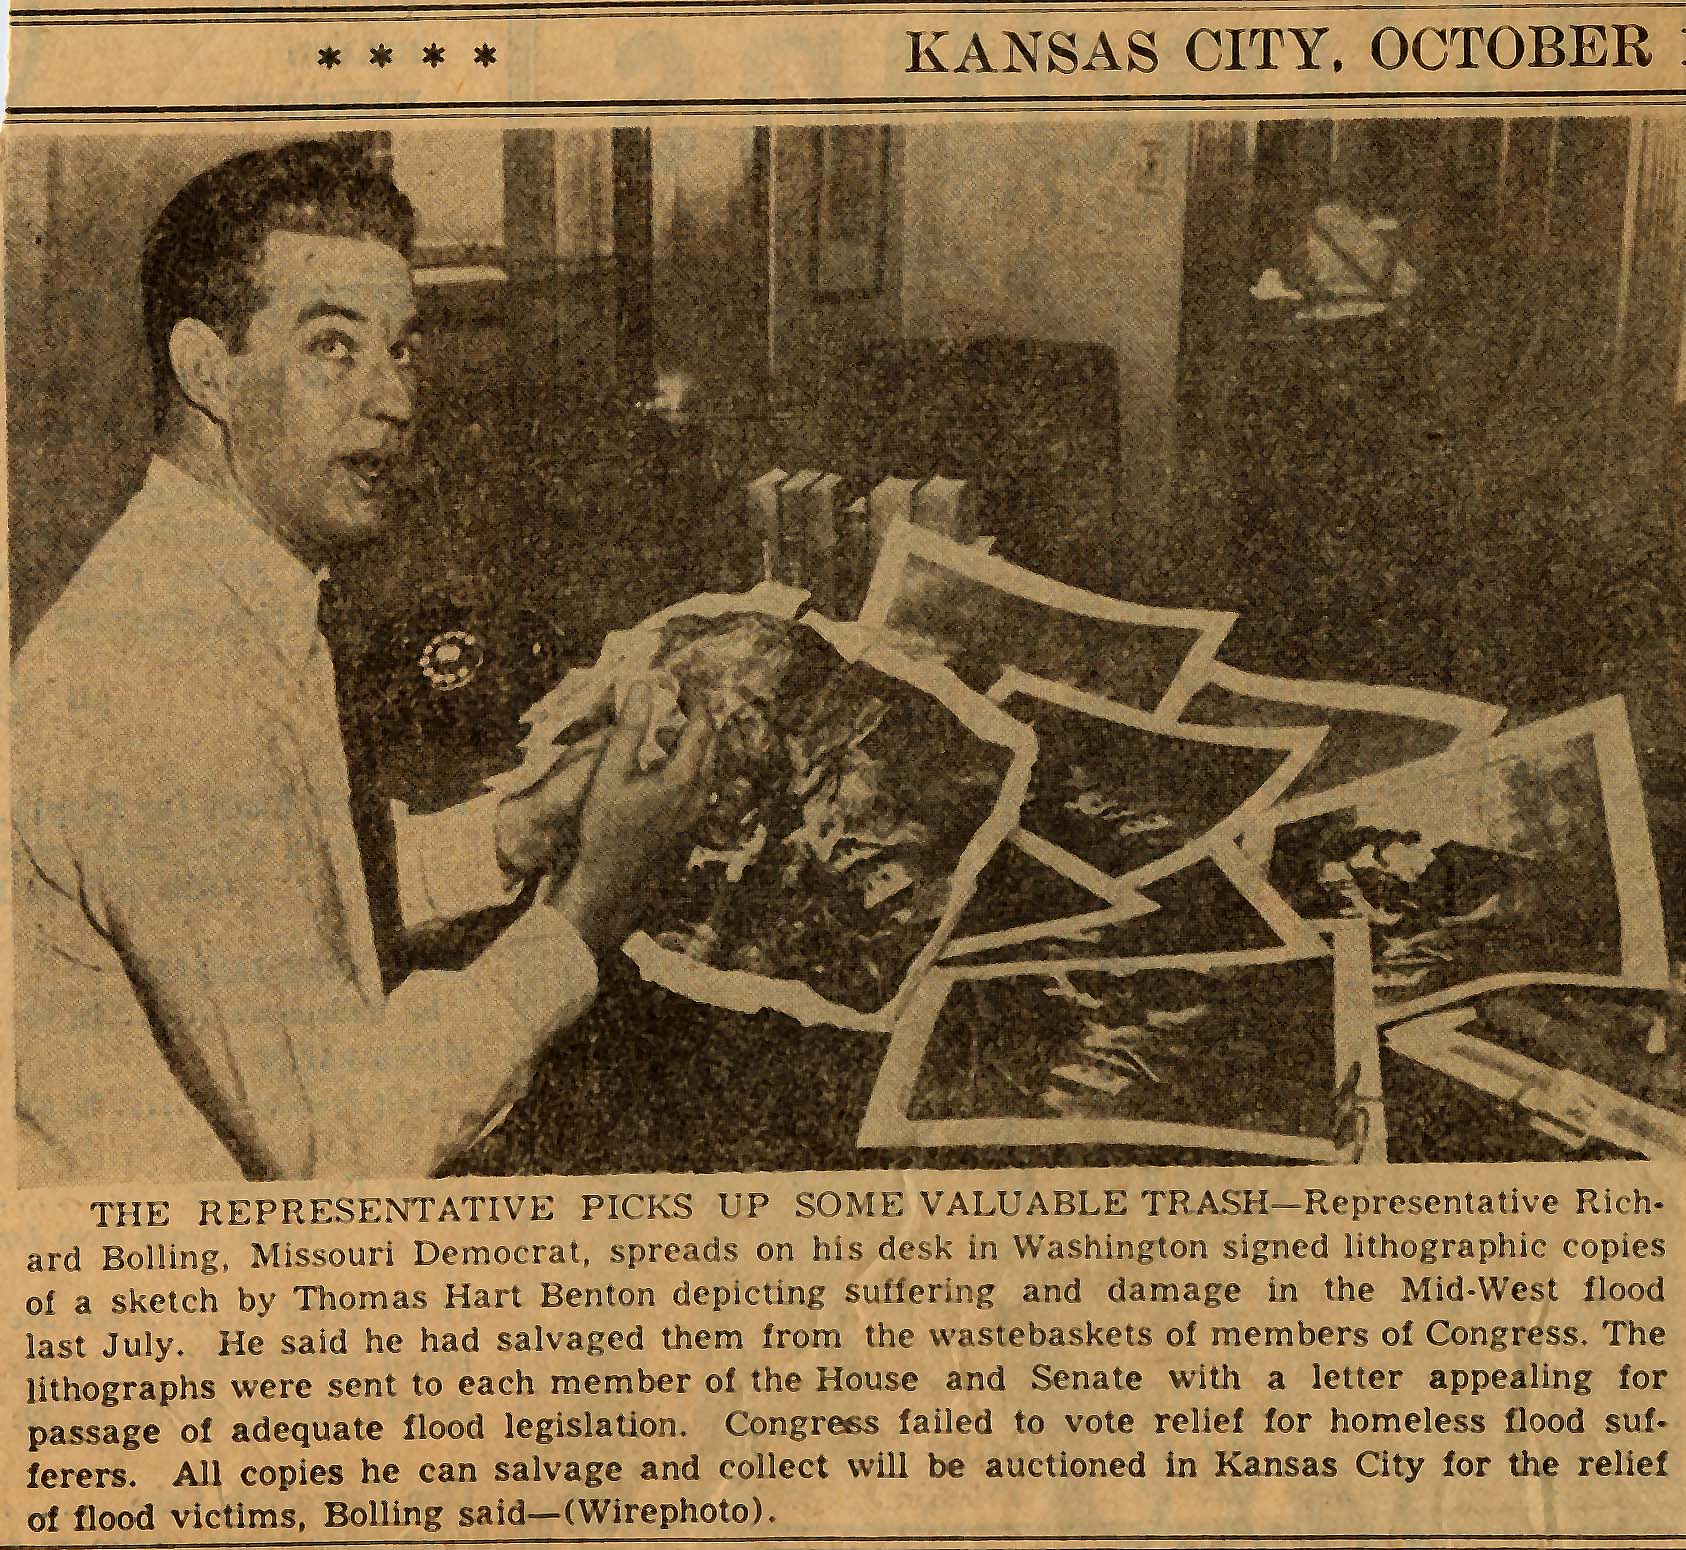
(371, 814)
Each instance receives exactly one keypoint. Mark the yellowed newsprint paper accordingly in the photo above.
(844, 774)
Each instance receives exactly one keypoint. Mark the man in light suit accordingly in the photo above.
(198, 989)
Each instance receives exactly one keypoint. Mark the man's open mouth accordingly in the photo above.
(369, 471)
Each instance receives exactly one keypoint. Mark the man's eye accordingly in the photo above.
(405, 352)
(333, 347)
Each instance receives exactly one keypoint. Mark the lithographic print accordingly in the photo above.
(1271, 1052)
(856, 795)
(1372, 728)
(983, 614)
(1220, 902)
(1526, 859)
(1133, 798)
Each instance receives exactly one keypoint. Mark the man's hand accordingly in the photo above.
(535, 829)
(631, 822)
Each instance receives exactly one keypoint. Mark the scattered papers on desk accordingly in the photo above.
(1370, 728)
(1019, 896)
(1131, 894)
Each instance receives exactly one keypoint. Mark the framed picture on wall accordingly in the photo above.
(851, 210)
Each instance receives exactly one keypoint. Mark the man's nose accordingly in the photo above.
(390, 395)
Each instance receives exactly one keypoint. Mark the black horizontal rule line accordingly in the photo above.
(237, 120)
(672, 9)
(820, 104)
(1124, 1542)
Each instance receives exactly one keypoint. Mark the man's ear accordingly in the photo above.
(200, 361)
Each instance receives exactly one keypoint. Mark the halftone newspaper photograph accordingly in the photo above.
(791, 775)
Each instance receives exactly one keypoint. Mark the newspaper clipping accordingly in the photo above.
(855, 774)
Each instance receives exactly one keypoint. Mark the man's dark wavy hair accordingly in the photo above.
(201, 256)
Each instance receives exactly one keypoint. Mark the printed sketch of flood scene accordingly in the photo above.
(1131, 796)
(856, 796)
(1371, 728)
(1579, 1063)
(1267, 1052)
(1527, 860)
(982, 615)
